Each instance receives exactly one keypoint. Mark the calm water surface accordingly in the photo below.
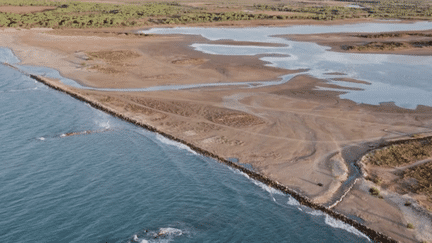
(124, 184)
(402, 79)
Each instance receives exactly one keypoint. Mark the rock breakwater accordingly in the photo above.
(372, 234)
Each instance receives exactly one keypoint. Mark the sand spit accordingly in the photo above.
(372, 234)
(293, 134)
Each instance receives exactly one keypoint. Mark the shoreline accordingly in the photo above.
(372, 234)
(296, 91)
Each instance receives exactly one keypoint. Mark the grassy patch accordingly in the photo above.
(75, 14)
(410, 226)
(401, 154)
(423, 176)
(392, 35)
(382, 46)
(85, 15)
(374, 191)
(216, 17)
(113, 56)
(387, 9)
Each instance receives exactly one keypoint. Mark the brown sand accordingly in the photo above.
(292, 133)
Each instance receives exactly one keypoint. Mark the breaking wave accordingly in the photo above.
(163, 235)
(291, 201)
(167, 141)
(260, 184)
(332, 222)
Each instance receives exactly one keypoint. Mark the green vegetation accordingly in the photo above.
(384, 9)
(393, 35)
(396, 155)
(74, 14)
(376, 46)
(410, 226)
(423, 176)
(374, 191)
(216, 17)
(83, 15)
(317, 13)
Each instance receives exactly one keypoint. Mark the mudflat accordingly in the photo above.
(295, 134)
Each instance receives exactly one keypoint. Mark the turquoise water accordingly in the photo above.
(120, 183)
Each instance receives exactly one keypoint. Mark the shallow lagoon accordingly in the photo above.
(403, 79)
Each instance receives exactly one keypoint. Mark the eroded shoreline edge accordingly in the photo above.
(373, 235)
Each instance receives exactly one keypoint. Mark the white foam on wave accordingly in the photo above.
(102, 120)
(236, 171)
(105, 124)
(170, 231)
(163, 235)
(332, 222)
(167, 141)
(41, 138)
(267, 188)
(260, 184)
(315, 213)
(291, 201)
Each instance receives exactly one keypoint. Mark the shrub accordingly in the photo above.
(410, 226)
(374, 191)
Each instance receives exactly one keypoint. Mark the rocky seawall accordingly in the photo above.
(372, 234)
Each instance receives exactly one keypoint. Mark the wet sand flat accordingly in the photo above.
(293, 133)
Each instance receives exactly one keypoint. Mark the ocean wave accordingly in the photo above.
(104, 124)
(270, 190)
(167, 141)
(163, 235)
(41, 138)
(315, 213)
(263, 186)
(291, 201)
(332, 222)
(236, 171)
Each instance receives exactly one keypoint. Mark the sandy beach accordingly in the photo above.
(299, 136)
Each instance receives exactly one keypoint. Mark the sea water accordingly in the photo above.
(115, 182)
